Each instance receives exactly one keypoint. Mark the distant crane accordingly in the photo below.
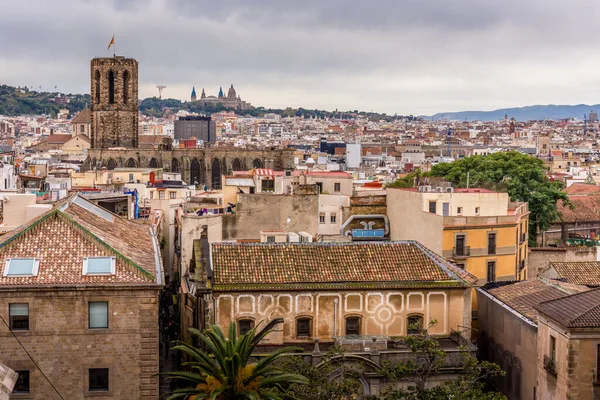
(160, 88)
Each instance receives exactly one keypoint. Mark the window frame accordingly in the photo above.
(90, 327)
(434, 204)
(310, 327)
(333, 218)
(487, 270)
(113, 266)
(337, 187)
(239, 326)
(321, 218)
(172, 195)
(552, 348)
(28, 391)
(34, 269)
(89, 381)
(359, 324)
(412, 332)
(10, 318)
(492, 237)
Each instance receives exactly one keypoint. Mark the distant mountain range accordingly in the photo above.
(528, 113)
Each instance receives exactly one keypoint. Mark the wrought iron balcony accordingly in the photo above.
(461, 252)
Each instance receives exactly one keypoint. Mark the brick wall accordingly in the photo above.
(64, 348)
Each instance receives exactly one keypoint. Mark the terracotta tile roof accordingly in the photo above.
(578, 272)
(581, 310)
(585, 208)
(59, 138)
(84, 117)
(380, 264)
(582, 189)
(525, 295)
(62, 237)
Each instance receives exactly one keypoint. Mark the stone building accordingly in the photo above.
(114, 98)
(344, 294)
(79, 289)
(231, 100)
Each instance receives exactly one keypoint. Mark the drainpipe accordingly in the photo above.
(335, 307)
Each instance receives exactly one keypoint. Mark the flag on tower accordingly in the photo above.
(112, 42)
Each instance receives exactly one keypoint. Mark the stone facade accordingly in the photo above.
(203, 166)
(63, 346)
(114, 102)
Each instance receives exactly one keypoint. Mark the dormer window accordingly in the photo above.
(99, 265)
(19, 267)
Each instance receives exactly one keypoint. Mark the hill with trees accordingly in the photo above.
(23, 101)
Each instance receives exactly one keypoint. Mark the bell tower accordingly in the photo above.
(114, 102)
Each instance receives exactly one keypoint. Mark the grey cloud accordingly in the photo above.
(406, 56)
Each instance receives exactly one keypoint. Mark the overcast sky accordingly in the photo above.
(394, 56)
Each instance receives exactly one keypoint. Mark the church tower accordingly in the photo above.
(114, 102)
(193, 98)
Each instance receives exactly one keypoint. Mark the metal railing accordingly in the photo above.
(464, 251)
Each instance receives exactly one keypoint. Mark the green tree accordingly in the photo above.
(407, 181)
(224, 372)
(521, 175)
(426, 363)
(321, 386)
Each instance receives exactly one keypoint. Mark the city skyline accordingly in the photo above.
(399, 57)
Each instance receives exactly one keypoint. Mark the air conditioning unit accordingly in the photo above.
(449, 190)
(288, 173)
(118, 179)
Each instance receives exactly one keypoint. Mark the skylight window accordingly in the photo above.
(16, 267)
(99, 211)
(99, 265)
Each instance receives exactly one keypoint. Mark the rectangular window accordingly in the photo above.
(459, 210)
(245, 325)
(352, 326)
(491, 243)
(19, 316)
(337, 187)
(460, 245)
(98, 314)
(414, 324)
(270, 239)
(161, 195)
(303, 327)
(268, 185)
(320, 187)
(491, 271)
(99, 265)
(98, 380)
(333, 218)
(172, 195)
(16, 267)
(476, 210)
(432, 207)
(321, 218)
(552, 348)
(22, 385)
(130, 177)
(81, 128)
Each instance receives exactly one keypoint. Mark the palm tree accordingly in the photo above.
(223, 373)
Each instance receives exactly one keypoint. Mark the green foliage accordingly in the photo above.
(428, 359)
(17, 101)
(224, 371)
(407, 181)
(521, 175)
(345, 385)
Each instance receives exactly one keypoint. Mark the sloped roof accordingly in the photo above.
(525, 295)
(303, 265)
(585, 208)
(581, 310)
(84, 117)
(59, 138)
(579, 272)
(63, 236)
(582, 189)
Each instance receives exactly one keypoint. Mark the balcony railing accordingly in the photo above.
(458, 252)
(550, 365)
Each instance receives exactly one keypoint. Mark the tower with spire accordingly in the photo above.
(193, 94)
(221, 95)
(202, 95)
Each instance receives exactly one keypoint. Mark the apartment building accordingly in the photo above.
(480, 230)
(79, 290)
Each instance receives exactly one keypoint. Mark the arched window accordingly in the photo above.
(244, 326)
(111, 164)
(125, 87)
(131, 163)
(216, 174)
(97, 82)
(153, 163)
(174, 165)
(236, 165)
(353, 325)
(303, 328)
(414, 324)
(111, 87)
(256, 163)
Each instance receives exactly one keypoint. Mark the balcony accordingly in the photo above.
(550, 365)
(461, 252)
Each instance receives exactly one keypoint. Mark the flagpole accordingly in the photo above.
(114, 46)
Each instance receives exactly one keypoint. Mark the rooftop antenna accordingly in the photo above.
(160, 88)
